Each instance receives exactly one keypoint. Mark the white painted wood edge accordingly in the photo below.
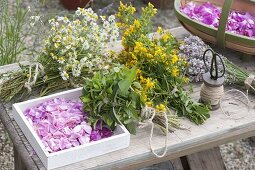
(120, 139)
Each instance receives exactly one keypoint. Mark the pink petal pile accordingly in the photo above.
(62, 124)
(242, 23)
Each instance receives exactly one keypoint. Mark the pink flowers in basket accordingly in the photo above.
(242, 23)
(62, 124)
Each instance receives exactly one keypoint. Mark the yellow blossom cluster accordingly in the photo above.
(161, 108)
(134, 27)
(154, 55)
(125, 12)
(147, 85)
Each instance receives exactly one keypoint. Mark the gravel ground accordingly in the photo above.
(236, 155)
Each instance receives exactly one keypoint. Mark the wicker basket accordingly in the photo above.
(219, 36)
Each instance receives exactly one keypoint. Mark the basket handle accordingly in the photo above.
(223, 23)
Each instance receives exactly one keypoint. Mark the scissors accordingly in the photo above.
(214, 70)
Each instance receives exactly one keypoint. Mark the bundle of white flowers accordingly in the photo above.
(76, 48)
(81, 42)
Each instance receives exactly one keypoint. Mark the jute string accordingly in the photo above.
(248, 85)
(248, 82)
(38, 69)
(149, 113)
(215, 95)
(211, 95)
(231, 98)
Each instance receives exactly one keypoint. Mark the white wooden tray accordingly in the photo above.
(119, 140)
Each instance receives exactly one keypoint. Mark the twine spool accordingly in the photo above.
(211, 95)
(212, 91)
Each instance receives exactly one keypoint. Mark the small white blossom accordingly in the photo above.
(111, 18)
(64, 75)
(66, 20)
(79, 11)
(106, 25)
(59, 19)
(85, 45)
(80, 42)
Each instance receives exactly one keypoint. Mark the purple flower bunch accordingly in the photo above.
(192, 50)
(62, 124)
(242, 23)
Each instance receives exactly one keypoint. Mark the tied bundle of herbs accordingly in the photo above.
(161, 71)
(75, 48)
(115, 97)
(238, 76)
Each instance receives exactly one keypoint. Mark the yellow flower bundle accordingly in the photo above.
(160, 71)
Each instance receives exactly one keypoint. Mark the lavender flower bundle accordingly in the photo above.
(238, 76)
(192, 50)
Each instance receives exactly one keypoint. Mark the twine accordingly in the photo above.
(113, 110)
(38, 69)
(149, 113)
(248, 81)
(235, 90)
(248, 85)
(211, 95)
(215, 95)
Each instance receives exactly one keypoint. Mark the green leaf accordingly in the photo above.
(188, 109)
(85, 99)
(132, 74)
(131, 127)
(128, 121)
(137, 85)
(109, 90)
(124, 86)
(108, 120)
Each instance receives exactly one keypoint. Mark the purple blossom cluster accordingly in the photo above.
(242, 23)
(192, 50)
(62, 124)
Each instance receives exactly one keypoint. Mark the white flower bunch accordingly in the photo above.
(80, 43)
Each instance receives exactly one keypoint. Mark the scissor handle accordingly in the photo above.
(214, 64)
(204, 55)
(223, 65)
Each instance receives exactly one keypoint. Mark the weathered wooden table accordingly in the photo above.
(219, 129)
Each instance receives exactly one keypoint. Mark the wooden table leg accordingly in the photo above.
(185, 162)
(18, 164)
(210, 160)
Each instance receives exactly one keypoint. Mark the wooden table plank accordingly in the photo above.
(206, 160)
(19, 143)
(177, 164)
(219, 129)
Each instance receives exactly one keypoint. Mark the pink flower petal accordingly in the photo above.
(61, 124)
(242, 23)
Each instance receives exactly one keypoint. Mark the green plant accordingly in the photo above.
(162, 73)
(76, 47)
(116, 98)
(12, 38)
(109, 97)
